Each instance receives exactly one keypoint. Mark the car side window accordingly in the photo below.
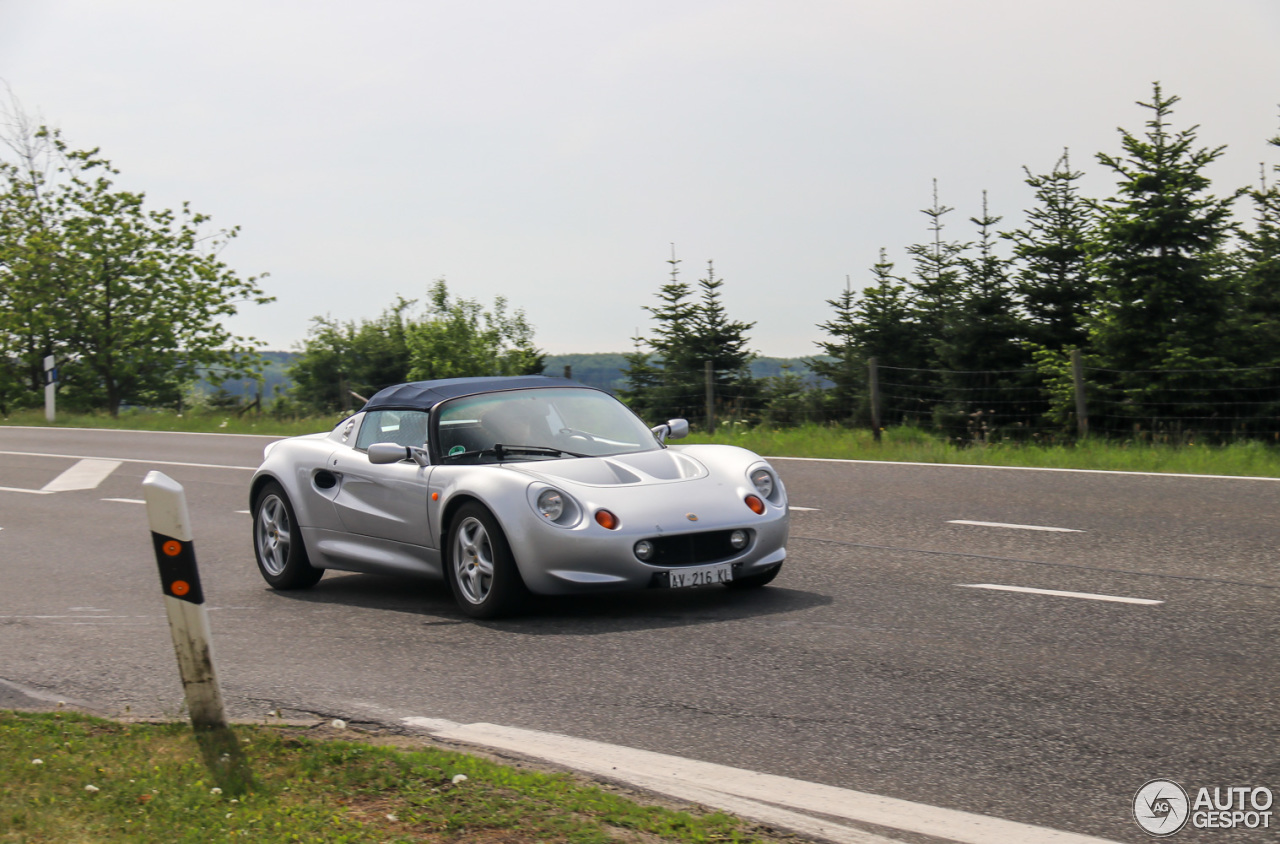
(402, 427)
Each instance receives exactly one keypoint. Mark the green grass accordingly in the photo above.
(909, 445)
(72, 778)
(202, 421)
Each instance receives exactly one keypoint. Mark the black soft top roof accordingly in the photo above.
(424, 395)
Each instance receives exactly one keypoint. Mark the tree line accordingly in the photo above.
(1169, 300)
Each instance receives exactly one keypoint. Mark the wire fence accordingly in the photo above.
(1159, 406)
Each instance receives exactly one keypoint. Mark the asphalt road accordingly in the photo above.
(870, 664)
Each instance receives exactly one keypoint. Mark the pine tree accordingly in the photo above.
(936, 283)
(668, 380)
(1055, 277)
(1166, 297)
(983, 331)
(846, 368)
(980, 346)
(1259, 261)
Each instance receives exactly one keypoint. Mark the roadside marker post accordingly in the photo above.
(189, 626)
(50, 387)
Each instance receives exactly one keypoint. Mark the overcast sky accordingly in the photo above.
(552, 152)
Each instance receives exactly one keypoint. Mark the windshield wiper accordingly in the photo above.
(500, 451)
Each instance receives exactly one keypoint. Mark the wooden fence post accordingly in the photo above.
(873, 387)
(709, 374)
(1077, 380)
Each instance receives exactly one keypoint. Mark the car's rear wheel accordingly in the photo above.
(755, 581)
(482, 570)
(277, 542)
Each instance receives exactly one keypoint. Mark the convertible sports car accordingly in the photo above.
(505, 486)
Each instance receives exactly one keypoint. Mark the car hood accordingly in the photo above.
(647, 467)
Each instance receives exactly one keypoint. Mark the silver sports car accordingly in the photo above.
(506, 486)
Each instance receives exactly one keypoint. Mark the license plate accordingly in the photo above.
(700, 577)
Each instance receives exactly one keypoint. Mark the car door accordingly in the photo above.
(387, 501)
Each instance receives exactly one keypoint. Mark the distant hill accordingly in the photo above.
(605, 369)
(599, 369)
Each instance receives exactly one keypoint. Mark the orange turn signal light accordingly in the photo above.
(756, 505)
(606, 520)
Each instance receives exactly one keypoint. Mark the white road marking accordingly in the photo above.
(244, 512)
(28, 491)
(1015, 527)
(137, 431)
(127, 460)
(806, 509)
(1059, 593)
(88, 473)
(805, 807)
(126, 500)
(1027, 468)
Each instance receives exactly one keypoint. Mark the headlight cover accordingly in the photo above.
(762, 480)
(553, 506)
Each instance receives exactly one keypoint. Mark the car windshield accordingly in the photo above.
(540, 425)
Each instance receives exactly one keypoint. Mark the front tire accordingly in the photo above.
(277, 542)
(755, 581)
(482, 569)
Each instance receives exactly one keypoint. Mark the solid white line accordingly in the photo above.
(137, 431)
(805, 509)
(27, 491)
(126, 500)
(1059, 593)
(782, 801)
(125, 460)
(88, 473)
(1016, 527)
(1031, 469)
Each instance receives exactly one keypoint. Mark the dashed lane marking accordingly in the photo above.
(1014, 527)
(805, 509)
(1061, 594)
(126, 500)
(806, 807)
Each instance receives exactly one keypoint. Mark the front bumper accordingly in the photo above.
(586, 557)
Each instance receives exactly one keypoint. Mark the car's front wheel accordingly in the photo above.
(482, 570)
(277, 542)
(755, 581)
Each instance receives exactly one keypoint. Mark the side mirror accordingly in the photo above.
(393, 453)
(674, 429)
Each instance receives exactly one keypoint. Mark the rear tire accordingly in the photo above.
(277, 542)
(481, 568)
(755, 581)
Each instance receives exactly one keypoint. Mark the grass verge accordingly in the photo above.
(909, 445)
(906, 445)
(74, 778)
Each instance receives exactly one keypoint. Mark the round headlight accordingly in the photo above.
(762, 479)
(644, 550)
(550, 504)
(738, 539)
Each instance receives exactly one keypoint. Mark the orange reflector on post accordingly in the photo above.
(606, 520)
(173, 548)
(180, 587)
(756, 505)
